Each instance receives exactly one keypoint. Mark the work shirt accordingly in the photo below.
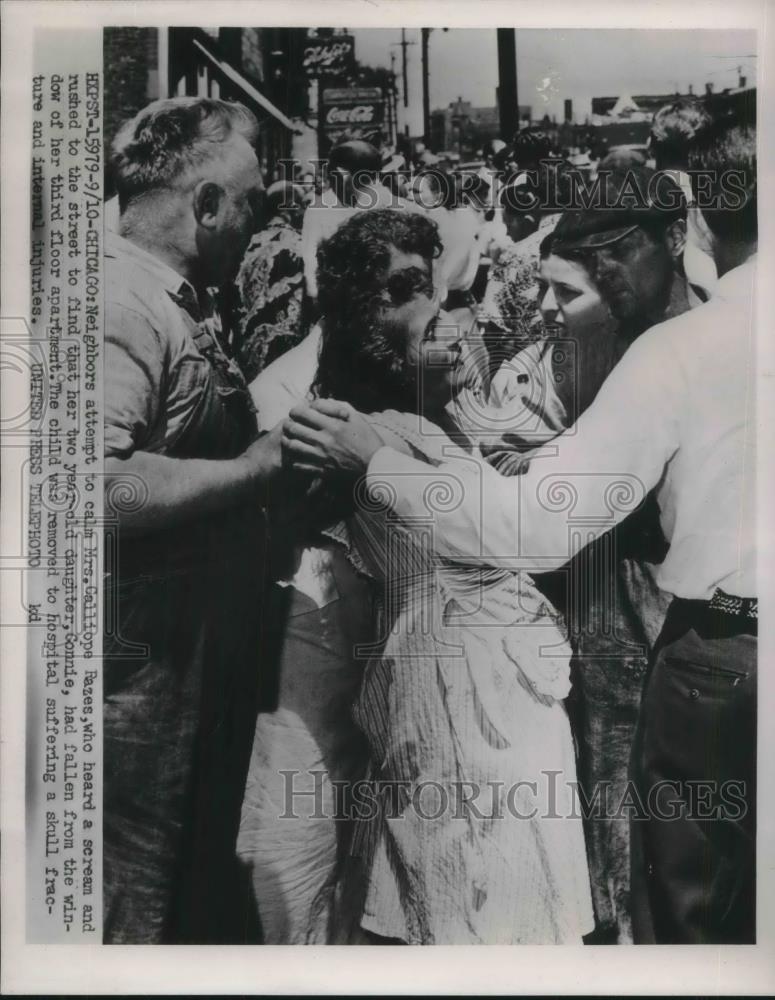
(158, 374)
(183, 610)
(676, 413)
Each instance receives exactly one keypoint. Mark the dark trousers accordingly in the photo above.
(694, 844)
(181, 673)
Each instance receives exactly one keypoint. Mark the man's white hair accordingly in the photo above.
(170, 137)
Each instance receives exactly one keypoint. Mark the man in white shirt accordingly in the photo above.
(675, 128)
(677, 414)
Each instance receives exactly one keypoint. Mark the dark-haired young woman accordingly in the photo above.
(468, 831)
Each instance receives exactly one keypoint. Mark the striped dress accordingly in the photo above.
(477, 836)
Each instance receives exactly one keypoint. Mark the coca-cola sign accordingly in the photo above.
(328, 56)
(357, 114)
(357, 106)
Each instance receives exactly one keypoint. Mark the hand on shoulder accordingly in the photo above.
(328, 435)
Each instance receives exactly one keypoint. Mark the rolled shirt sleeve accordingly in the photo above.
(576, 488)
(135, 365)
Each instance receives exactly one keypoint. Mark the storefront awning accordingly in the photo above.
(239, 80)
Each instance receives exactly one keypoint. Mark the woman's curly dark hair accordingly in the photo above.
(362, 359)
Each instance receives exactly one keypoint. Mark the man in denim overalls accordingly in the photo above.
(185, 469)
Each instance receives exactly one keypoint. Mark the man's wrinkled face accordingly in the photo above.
(236, 215)
(635, 276)
(244, 188)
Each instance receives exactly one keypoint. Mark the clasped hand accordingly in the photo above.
(328, 436)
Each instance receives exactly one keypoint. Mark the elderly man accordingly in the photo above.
(675, 414)
(185, 472)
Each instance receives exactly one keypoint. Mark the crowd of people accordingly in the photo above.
(431, 609)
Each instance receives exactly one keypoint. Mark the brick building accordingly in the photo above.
(262, 67)
(131, 73)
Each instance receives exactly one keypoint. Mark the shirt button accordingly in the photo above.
(694, 693)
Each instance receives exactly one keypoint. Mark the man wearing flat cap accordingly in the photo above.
(632, 250)
(632, 238)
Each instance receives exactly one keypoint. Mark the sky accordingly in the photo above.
(555, 64)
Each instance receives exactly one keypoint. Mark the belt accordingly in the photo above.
(722, 617)
(747, 607)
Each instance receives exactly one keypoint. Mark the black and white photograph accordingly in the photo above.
(444, 565)
(385, 483)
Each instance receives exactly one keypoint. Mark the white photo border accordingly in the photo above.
(62, 969)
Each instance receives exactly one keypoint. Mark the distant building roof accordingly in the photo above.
(624, 106)
(742, 98)
(645, 103)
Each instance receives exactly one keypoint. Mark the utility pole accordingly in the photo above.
(508, 101)
(404, 44)
(322, 139)
(392, 100)
(426, 100)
